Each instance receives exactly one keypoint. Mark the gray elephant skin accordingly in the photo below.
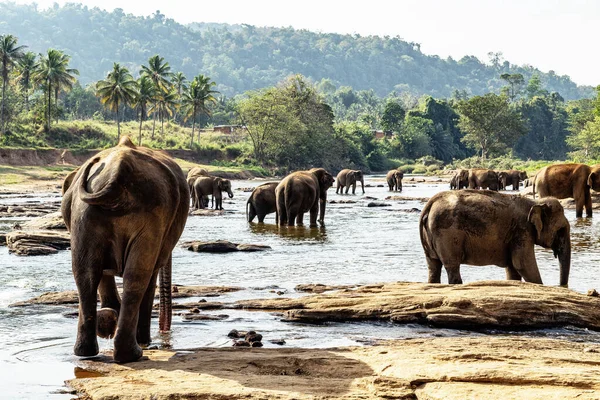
(125, 209)
(394, 180)
(205, 185)
(481, 227)
(349, 177)
(261, 202)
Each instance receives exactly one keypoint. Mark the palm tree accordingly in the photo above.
(119, 87)
(27, 67)
(52, 73)
(145, 95)
(164, 105)
(178, 80)
(159, 72)
(10, 54)
(195, 100)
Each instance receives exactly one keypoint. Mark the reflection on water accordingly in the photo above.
(358, 245)
(300, 233)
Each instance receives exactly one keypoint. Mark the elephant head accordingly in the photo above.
(502, 179)
(522, 175)
(594, 178)
(359, 177)
(223, 185)
(552, 230)
(463, 178)
(325, 182)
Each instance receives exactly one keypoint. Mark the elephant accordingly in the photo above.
(568, 180)
(300, 192)
(480, 178)
(394, 180)
(460, 179)
(482, 227)
(347, 178)
(197, 172)
(205, 185)
(125, 208)
(192, 175)
(510, 177)
(262, 202)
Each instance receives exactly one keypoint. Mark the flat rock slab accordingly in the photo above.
(477, 305)
(52, 221)
(320, 288)
(40, 242)
(407, 198)
(451, 368)
(223, 246)
(207, 212)
(378, 204)
(70, 296)
(342, 201)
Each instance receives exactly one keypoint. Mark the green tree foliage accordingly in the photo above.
(414, 140)
(10, 55)
(26, 70)
(490, 124)
(119, 87)
(515, 82)
(535, 87)
(586, 141)
(196, 100)
(244, 57)
(145, 95)
(393, 116)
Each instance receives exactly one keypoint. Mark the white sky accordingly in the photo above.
(559, 35)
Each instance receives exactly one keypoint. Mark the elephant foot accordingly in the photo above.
(127, 354)
(86, 349)
(144, 338)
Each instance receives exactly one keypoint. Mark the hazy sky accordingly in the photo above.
(557, 35)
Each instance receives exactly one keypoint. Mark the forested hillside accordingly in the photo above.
(241, 58)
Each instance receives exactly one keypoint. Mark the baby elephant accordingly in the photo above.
(481, 227)
(262, 202)
(205, 185)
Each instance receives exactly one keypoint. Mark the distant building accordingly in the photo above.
(228, 129)
(380, 134)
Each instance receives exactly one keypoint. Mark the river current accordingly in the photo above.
(358, 245)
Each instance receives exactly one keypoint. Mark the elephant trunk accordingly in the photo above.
(362, 184)
(165, 303)
(562, 251)
(229, 193)
(322, 210)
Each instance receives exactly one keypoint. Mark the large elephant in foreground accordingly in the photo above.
(460, 179)
(261, 202)
(481, 178)
(125, 209)
(568, 180)
(511, 177)
(394, 180)
(205, 185)
(300, 192)
(488, 228)
(349, 177)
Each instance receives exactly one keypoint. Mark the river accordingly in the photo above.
(358, 245)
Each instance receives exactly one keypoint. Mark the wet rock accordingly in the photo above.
(241, 343)
(29, 209)
(2, 239)
(33, 243)
(380, 185)
(252, 336)
(593, 293)
(486, 304)
(222, 246)
(202, 291)
(234, 334)
(203, 317)
(245, 189)
(256, 344)
(407, 198)
(410, 210)
(279, 342)
(369, 198)
(52, 221)
(207, 212)
(106, 323)
(590, 350)
(342, 201)
(320, 288)
(51, 298)
(378, 204)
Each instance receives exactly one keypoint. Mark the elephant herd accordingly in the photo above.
(126, 209)
(482, 178)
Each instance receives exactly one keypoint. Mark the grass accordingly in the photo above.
(12, 175)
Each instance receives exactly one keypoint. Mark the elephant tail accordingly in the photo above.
(112, 195)
(165, 297)
(247, 204)
(424, 232)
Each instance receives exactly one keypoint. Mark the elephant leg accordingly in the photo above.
(525, 265)
(87, 278)
(512, 274)
(139, 270)
(453, 271)
(354, 188)
(579, 203)
(400, 186)
(143, 328)
(300, 219)
(281, 212)
(588, 205)
(435, 270)
(338, 187)
(347, 188)
(292, 213)
(109, 296)
(314, 213)
(261, 218)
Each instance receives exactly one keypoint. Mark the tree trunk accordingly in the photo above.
(3, 101)
(192, 138)
(162, 126)
(56, 102)
(49, 120)
(141, 120)
(153, 123)
(118, 124)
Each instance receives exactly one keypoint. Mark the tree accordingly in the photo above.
(26, 71)
(534, 87)
(196, 98)
(490, 123)
(164, 105)
(178, 80)
(119, 87)
(393, 116)
(515, 81)
(159, 72)
(144, 96)
(10, 55)
(52, 73)
(414, 140)
(586, 142)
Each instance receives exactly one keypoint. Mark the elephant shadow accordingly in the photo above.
(290, 370)
(296, 233)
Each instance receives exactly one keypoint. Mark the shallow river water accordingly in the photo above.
(358, 245)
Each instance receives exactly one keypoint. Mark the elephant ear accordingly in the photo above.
(590, 181)
(535, 217)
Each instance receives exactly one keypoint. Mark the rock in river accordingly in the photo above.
(34, 243)
(222, 246)
(50, 221)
